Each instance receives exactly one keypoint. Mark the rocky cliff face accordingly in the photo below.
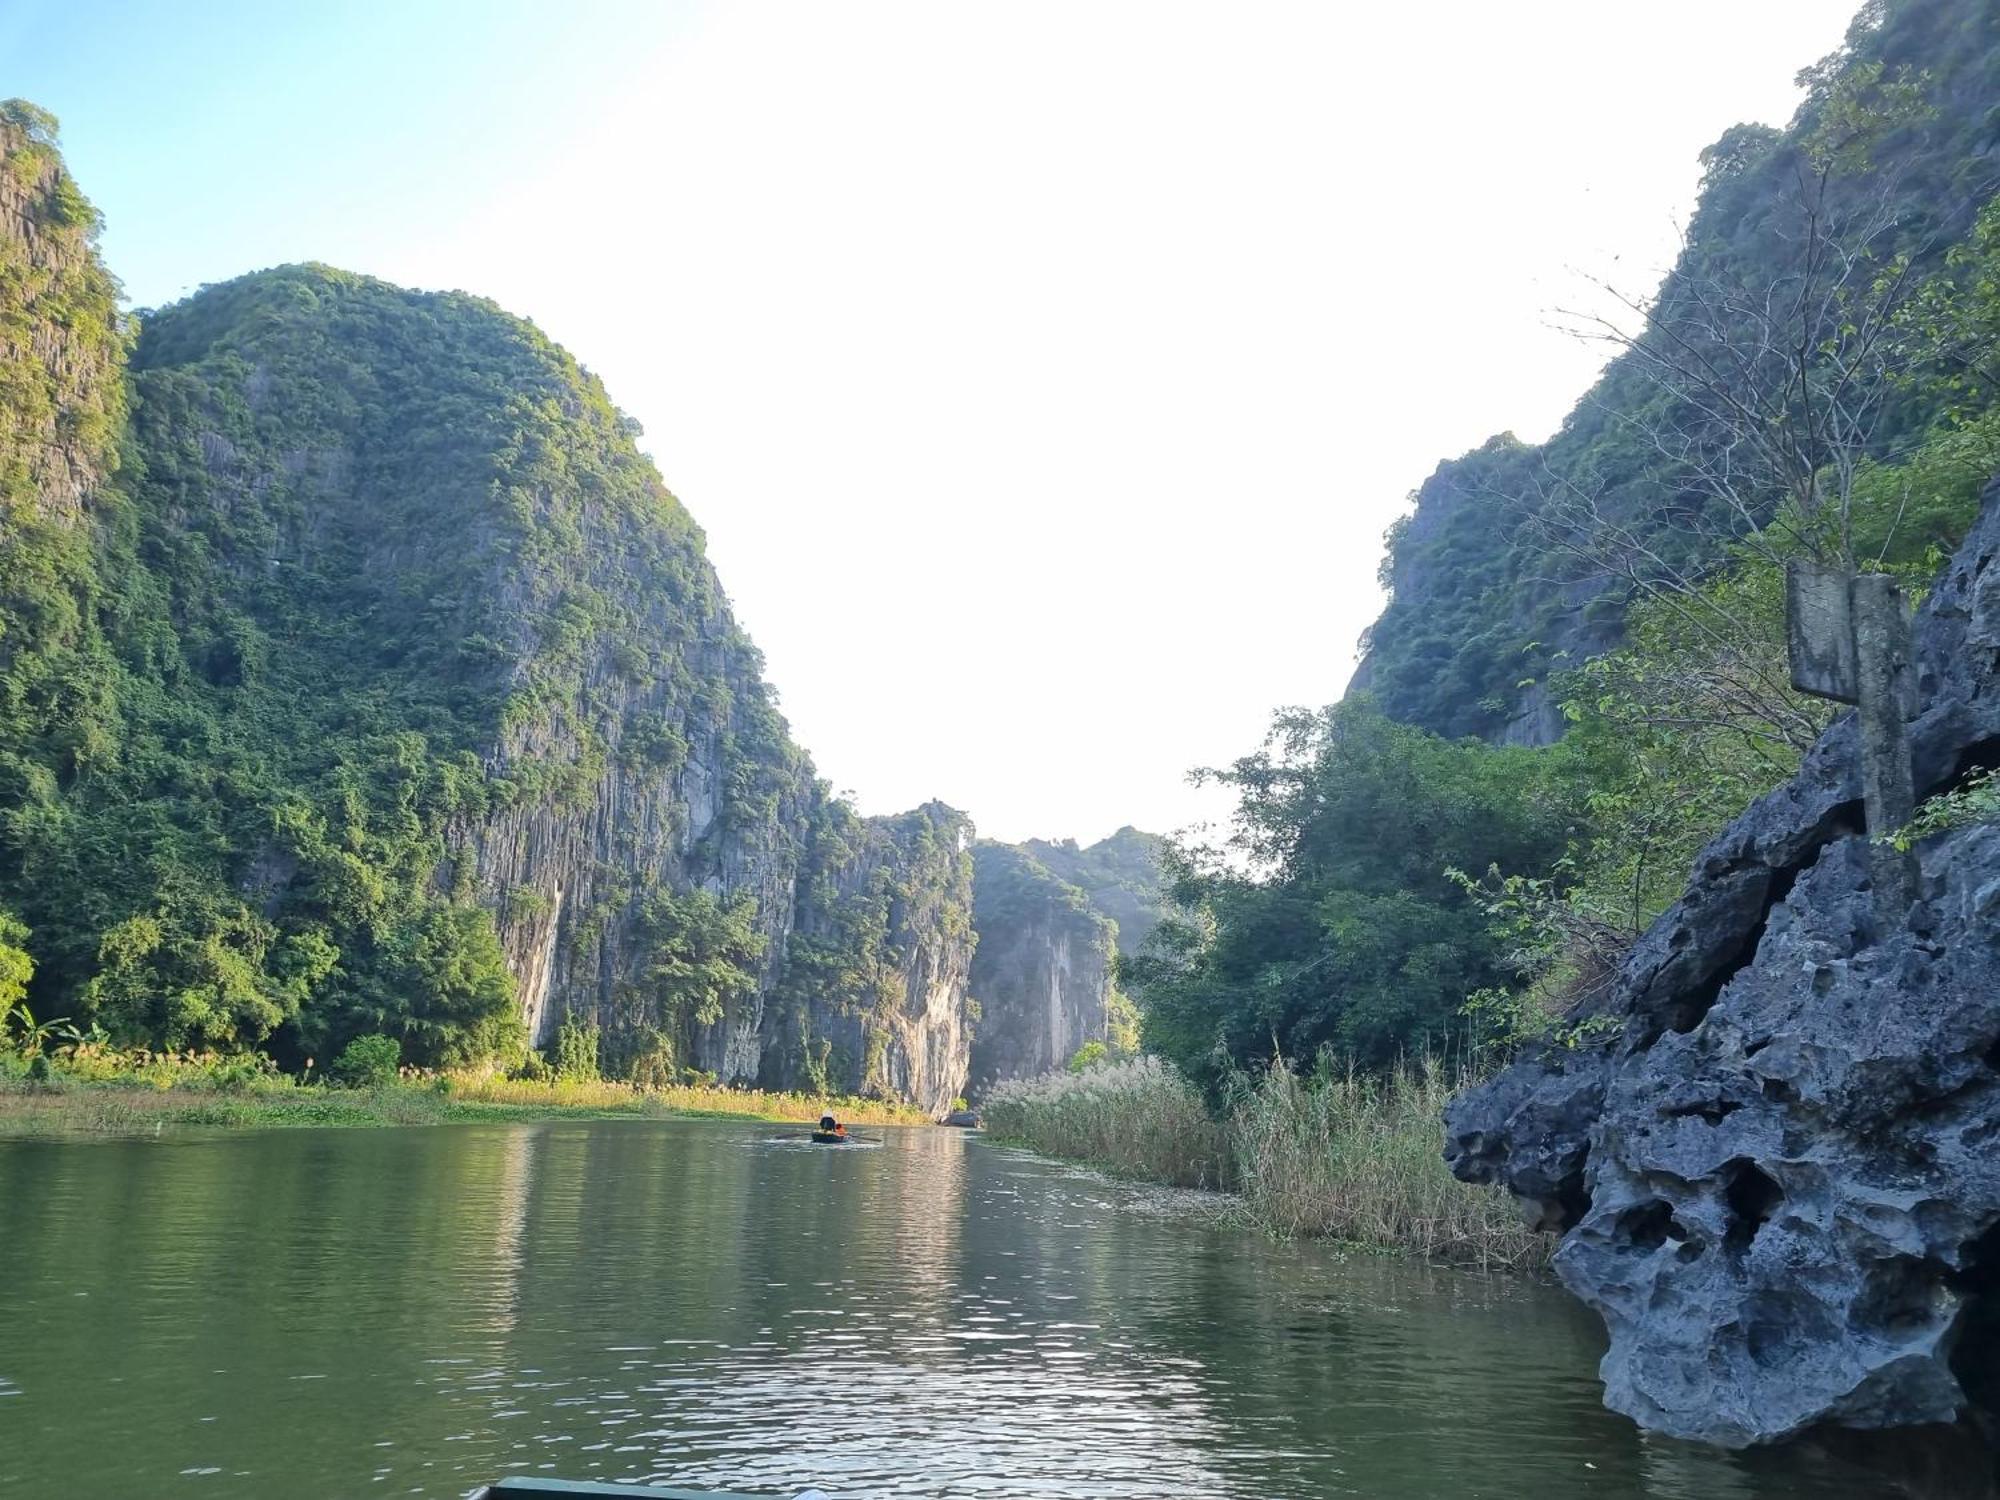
(1118, 875)
(410, 702)
(1771, 1157)
(1043, 971)
(873, 997)
(60, 341)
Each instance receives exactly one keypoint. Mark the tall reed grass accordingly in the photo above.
(1138, 1118)
(1351, 1157)
(1336, 1154)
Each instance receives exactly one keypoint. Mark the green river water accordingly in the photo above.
(410, 1312)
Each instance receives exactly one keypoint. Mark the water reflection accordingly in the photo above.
(411, 1312)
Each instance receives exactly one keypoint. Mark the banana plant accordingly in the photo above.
(81, 1043)
(21, 1033)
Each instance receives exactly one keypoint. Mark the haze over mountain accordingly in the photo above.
(1062, 326)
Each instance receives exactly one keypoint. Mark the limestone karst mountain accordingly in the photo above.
(385, 687)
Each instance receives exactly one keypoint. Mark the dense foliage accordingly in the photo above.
(234, 826)
(1331, 918)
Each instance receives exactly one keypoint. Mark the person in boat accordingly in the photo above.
(828, 1125)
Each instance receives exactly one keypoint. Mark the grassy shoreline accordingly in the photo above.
(1334, 1156)
(69, 1107)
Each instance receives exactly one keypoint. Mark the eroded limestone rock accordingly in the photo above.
(1775, 1169)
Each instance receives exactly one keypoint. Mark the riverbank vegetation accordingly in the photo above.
(52, 1088)
(1138, 1118)
(1333, 1154)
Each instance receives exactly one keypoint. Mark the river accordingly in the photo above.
(320, 1314)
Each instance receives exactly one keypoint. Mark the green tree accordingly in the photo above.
(702, 957)
(1331, 918)
(17, 967)
(367, 1062)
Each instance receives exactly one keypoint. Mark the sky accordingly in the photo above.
(1044, 375)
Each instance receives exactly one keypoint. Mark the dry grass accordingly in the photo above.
(606, 1097)
(70, 1108)
(1138, 1118)
(1336, 1156)
(102, 1100)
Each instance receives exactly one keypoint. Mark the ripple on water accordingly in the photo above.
(705, 1304)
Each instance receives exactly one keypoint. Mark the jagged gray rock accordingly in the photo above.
(1773, 1163)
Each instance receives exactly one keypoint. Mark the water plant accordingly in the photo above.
(1140, 1118)
(1332, 1153)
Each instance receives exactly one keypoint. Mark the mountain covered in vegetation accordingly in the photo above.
(1520, 561)
(1119, 875)
(1580, 677)
(358, 675)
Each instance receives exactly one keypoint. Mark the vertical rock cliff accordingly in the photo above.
(61, 341)
(873, 999)
(1043, 974)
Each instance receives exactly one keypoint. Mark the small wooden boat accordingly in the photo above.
(829, 1137)
(522, 1487)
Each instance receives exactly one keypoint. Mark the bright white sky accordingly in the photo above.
(1043, 374)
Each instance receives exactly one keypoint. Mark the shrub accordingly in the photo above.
(532, 1068)
(367, 1061)
(238, 1072)
(1089, 1055)
(16, 967)
(576, 1050)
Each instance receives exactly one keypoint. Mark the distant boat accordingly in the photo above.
(830, 1137)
